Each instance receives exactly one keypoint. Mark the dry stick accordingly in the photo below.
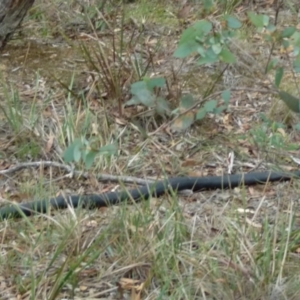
(100, 177)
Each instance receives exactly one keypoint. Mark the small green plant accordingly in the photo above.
(146, 92)
(86, 150)
(213, 46)
(204, 39)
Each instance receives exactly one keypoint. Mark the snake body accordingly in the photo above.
(157, 189)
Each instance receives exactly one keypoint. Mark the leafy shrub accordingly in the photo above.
(213, 46)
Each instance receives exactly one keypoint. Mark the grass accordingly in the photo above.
(66, 75)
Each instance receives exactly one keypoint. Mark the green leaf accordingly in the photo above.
(202, 27)
(187, 101)
(271, 28)
(202, 51)
(288, 32)
(188, 35)
(227, 56)
(278, 76)
(226, 96)
(258, 20)
(152, 83)
(73, 152)
(210, 105)
(286, 44)
(209, 57)
(77, 153)
(137, 86)
(191, 38)
(233, 22)
(90, 158)
(133, 101)
(201, 113)
(186, 49)
(217, 48)
(296, 38)
(291, 101)
(141, 94)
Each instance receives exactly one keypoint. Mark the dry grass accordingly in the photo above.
(59, 81)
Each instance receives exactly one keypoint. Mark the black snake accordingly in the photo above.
(157, 189)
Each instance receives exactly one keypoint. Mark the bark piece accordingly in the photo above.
(12, 13)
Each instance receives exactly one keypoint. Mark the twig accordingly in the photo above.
(70, 169)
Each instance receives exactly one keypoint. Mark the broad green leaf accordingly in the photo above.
(141, 94)
(188, 35)
(210, 105)
(226, 96)
(208, 4)
(133, 101)
(137, 86)
(209, 57)
(278, 76)
(89, 159)
(271, 28)
(201, 50)
(197, 30)
(201, 113)
(68, 154)
(233, 22)
(286, 43)
(258, 20)
(291, 101)
(203, 26)
(187, 101)
(227, 56)
(213, 40)
(288, 32)
(71, 150)
(191, 38)
(77, 152)
(147, 98)
(266, 20)
(217, 48)
(186, 49)
(155, 82)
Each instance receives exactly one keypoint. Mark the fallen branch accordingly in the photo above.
(72, 172)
